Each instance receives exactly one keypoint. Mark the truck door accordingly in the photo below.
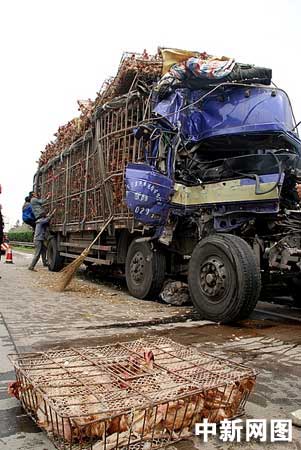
(149, 185)
(148, 193)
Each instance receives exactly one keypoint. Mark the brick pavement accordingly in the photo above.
(37, 317)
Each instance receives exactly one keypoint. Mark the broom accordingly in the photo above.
(69, 271)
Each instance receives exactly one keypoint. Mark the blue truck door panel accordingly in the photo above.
(148, 193)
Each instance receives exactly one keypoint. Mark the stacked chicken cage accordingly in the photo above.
(141, 394)
(83, 169)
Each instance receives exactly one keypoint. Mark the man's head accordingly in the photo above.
(33, 194)
(27, 199)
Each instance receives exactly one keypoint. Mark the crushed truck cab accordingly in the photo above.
(234, 163)
(199, 169)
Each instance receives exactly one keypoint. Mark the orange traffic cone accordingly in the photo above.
(9, 256)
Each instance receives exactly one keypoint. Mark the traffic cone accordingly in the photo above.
(9, 256)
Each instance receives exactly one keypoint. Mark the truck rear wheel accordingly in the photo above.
(144, 270)
(55, 261)
(224, 278)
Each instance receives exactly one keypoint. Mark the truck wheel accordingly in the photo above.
(55, 261)
(144, 270)
(224, 278)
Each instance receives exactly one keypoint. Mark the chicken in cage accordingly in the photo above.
(133, 395)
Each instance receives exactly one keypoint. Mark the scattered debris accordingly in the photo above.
(175, 293)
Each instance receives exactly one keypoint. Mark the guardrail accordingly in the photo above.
(21, 244)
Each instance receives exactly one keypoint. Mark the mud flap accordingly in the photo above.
(148, 193)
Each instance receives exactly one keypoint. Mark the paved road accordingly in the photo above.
(35, 317)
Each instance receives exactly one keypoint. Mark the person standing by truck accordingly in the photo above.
(37, 204)
(39, 237)
(27, 213)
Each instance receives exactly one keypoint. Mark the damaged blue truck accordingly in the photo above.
(198, 171)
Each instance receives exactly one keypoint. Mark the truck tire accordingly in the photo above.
(224, 278)
(55, 261)
(144, 270)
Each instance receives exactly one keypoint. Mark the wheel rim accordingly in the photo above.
(214, 278)
(137, 267)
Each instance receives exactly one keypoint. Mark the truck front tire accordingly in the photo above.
(144, 270)
(224, 278)
(55, 261)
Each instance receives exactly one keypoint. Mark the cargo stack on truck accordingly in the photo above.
(197, 160)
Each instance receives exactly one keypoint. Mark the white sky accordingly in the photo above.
(54, 52)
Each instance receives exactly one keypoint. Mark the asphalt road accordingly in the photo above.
(36, 317)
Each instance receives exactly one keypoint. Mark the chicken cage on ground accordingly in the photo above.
(136, 395)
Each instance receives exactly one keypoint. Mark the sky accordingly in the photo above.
(53, 52)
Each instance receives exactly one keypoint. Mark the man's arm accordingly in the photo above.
(41, 201)
(51, 214)
(44, 221)
(37, 201)
(47, 219)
